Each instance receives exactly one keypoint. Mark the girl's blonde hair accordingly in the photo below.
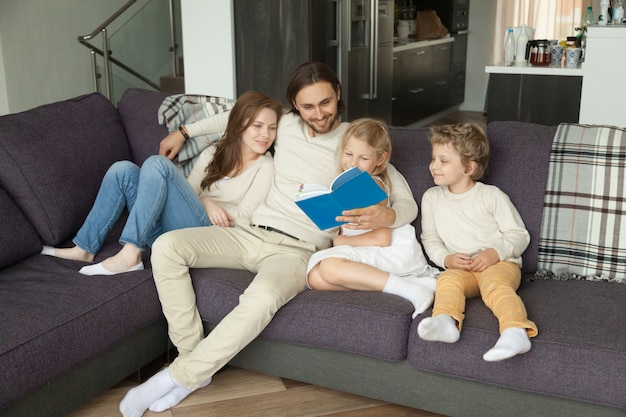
(469, 140)
(375, 133)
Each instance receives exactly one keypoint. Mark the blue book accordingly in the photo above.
(351, 189)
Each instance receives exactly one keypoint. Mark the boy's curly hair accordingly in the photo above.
(469, 140)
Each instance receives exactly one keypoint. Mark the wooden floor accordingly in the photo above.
(241, 393)
(237, 392)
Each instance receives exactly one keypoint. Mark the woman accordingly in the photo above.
(229, 180)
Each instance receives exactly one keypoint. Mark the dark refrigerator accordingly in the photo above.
(354, 37)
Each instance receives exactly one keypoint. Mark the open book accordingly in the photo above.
(351, 189)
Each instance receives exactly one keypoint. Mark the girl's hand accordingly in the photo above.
(217, 215)
(458, 261)
(484, 260)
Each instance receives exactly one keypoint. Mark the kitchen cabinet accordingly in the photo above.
(534, 98)
(421, 81)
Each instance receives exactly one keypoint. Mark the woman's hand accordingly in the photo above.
(367, 218)
(216, 213)
(171, 144)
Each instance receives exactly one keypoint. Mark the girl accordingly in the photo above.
(229, 180)
(382, 259)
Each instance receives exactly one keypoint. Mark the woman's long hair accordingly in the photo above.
(228, 157)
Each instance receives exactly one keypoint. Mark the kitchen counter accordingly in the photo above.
(404, 45)
(527, 69)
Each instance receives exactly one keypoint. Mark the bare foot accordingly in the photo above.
(74, 254)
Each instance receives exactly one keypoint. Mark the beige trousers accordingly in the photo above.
(279, 263)
(496, 285)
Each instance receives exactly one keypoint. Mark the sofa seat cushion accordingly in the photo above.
(54, 318)
(579, 353)
(53, 159)
(19, 239)
(368, 323)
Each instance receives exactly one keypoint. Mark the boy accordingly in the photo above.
(474, 232)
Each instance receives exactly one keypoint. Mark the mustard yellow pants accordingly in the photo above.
(496, 286)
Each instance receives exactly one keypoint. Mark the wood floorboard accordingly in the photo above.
(240, 393)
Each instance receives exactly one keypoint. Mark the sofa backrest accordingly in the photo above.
(53, 159)
(19, 239)
(138, 110)
(520, 156)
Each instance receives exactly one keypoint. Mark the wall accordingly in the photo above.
(42, 61)
(481, 15)
(208, 47)
(4, 101)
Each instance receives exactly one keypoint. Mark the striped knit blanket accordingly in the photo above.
(184, 109)
(583, 228)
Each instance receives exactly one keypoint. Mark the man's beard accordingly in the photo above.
(314, 127)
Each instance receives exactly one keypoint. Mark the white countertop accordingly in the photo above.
(399, 45)
(527, 69)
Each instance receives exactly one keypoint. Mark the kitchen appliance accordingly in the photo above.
(538, 52)
(360, 50)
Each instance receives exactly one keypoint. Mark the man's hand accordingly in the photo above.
(367, 218)
(171, 144)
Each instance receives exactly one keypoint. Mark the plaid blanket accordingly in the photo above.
(184, 109)
(583, 227)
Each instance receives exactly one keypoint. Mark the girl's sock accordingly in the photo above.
(513, 341)
(420, 296)
(440, 328)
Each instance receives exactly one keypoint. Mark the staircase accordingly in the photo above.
(139, 48)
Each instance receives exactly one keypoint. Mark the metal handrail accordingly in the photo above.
(107, 22)
(106, 53)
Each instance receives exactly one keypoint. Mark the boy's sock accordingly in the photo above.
(420, 296)
(138, 399)
(172, 398)
(513, 341)
(440, 328)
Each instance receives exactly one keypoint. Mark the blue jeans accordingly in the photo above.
(157, 196)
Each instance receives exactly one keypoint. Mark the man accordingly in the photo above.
(275, 243)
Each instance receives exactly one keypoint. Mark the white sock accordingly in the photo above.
(513, 341)
(172, 398)
(440, 328)
(420, 296)
(138, 399)
(99, 269)
(48, 250)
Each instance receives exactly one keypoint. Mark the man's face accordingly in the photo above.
(317, 104)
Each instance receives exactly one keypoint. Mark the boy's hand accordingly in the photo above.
(484, 260)
(458, 261)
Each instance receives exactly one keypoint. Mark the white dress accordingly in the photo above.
(403, 257)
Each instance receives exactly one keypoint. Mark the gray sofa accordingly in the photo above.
(65, 337)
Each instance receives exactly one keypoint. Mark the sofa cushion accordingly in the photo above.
(53, 159)
(368, 323)
(54, 318)
(411, 154)
(138, 110)
(522, 177)
(19, 239)
(581, 344)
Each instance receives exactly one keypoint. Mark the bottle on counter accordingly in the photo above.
(618, 12)
(509, 48)
(588, 18)
(522, 40)
(603, 17)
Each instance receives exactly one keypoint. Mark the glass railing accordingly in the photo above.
(142, 38)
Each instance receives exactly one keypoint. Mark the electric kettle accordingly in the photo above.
(538, 52)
